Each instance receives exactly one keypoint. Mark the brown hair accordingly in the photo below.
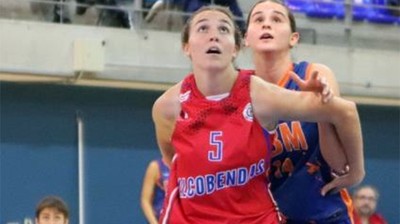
(292, 20)
(186, 29)
(52, 202)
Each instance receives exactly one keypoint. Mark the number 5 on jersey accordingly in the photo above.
(215, 154)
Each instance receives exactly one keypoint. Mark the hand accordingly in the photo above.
(315, 84)
(348, 179)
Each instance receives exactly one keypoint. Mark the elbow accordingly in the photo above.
(360, 176)
(352, 108)
(350, 114)
(143, 203)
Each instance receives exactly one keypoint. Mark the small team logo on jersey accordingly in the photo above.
(248, 112)
(184, 96)
(184, 115)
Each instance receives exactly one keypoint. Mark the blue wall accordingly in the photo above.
(38, 154)
(381, 132)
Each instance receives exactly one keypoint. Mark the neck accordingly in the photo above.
(215, 81)
(271, 67)
(364, 219)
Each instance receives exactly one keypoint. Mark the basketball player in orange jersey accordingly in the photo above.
(212, 123)
(300, 175)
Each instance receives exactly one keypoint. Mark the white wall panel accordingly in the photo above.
(156, 56)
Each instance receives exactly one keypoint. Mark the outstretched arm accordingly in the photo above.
(323, 81)
(271, 103)
(338, 157)
(148, 187)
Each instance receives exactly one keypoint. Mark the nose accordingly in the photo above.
(266, 24)
(214, 36)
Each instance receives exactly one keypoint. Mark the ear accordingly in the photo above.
(294, 39)
(186, 49)
(245, 42)
(235, 52)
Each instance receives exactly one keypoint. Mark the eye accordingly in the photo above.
(276, 19)
(224, 29)
(258, 19)
(202, 28)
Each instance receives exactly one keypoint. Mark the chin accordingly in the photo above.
(216, 65)
(215, 68)
(267, 49)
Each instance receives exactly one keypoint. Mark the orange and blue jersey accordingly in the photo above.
(160, 189)
(298, 171)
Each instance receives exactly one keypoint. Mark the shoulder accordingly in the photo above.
(152, 169)
(168, 103)
(327, 73)
(376, 217)
(322, 69)
(153, 165)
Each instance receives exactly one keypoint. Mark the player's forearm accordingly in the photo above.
(349, 131)
(167, 152)
(331, 147)
(148, 212)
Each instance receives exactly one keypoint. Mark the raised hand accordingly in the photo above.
(315, 84)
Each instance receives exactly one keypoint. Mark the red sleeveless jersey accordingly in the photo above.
(218, 172)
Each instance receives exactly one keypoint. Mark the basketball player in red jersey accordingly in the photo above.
(212, 123)
(304, 153)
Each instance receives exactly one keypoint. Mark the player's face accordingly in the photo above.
(51, 216)
(365, 202)
(269, 28)
(211, 43)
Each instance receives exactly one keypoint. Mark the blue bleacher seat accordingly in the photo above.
(381, 14)
(360, 12)
(297, 6)
(329, 9)
(326, 9)
(340, 9)
(361, 9)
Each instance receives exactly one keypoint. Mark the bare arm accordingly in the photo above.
(165, 111)
(271, 103)
(331, 147)
(149, 183)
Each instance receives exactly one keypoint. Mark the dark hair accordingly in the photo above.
(224, 10)
(52, 202)
(292, 20)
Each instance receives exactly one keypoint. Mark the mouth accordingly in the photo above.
(266, 36)
(213, 50)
